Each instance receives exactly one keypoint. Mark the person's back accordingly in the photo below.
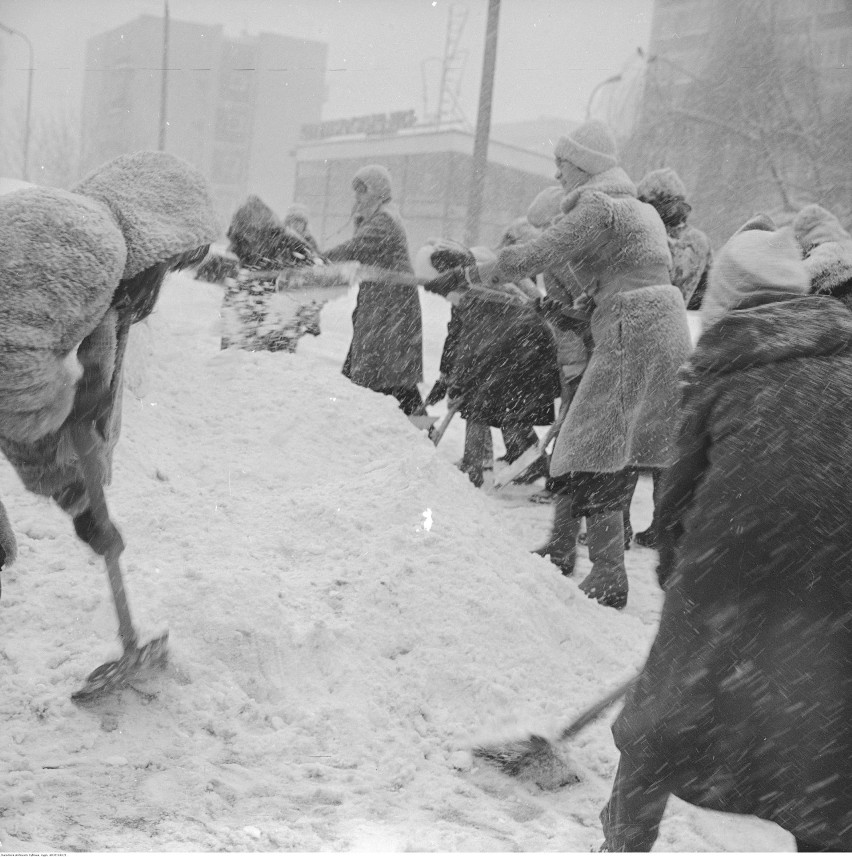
(689, 247)
(745, 702)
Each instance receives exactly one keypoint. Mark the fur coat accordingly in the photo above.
(386, 352)
(64, 257)
(616, 248)
(745, 702)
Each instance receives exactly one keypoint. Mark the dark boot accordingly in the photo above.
(478, 458)
(561, 547)
(607, 581)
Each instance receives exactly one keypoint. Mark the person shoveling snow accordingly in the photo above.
(78, 269)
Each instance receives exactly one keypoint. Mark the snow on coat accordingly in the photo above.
(616, 249)
(387, 337)
(745, 702)
(65, 255)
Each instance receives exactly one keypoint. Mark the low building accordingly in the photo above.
(431, 171)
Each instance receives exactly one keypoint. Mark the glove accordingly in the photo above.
(445, 257)
(454, 280)
(100, 538)
(438, 391)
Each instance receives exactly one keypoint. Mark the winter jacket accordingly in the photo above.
(616, 249)
(502, 358)
(67, 295)
(745, 702)
(387, 337)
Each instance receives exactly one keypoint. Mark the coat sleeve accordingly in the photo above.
(556, 246)
(366, 245)
(451, 342)
(682, 478)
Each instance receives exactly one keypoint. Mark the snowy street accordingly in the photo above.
(348, 616)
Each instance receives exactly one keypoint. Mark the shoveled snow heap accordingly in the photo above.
(348, 615)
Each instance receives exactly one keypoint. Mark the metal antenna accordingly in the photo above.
(452, 67)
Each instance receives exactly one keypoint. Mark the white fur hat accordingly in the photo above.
(661, 184)
(377, 180)
(752, 262)
(591, 147)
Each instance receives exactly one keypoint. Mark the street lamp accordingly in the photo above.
(614, 79)
(13, 32)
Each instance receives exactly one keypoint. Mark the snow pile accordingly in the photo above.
(347, 616)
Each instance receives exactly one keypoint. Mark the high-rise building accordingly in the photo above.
(234, 105)
(749, 101)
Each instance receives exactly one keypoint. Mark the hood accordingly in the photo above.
(63, 256)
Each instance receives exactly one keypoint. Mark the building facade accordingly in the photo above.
(431, 171)
(749, 101)
(234, 105)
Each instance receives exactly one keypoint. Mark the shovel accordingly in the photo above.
(136, 658)
(527, 459)
(435, 434)
(537, 760)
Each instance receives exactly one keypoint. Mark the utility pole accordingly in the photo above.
(483, 127)
(164, 90)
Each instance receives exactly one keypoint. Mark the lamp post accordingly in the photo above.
(13, 32)
(614, 79)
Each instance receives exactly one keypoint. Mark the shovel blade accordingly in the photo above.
(114, 674)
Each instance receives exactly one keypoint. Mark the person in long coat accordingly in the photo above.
(386, 353)
(745, 702)
(78, 269)
(692, 257)
(622, 415)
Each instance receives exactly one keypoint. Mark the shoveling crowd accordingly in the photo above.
(745, 702)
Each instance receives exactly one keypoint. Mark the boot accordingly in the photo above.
(607, 581)
(561, 547)
(478, 458)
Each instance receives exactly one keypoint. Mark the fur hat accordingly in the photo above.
(815, 225)
(661, 184)
(546, 207)
(827, 247)
(161, 203)
(297, 212)
(591, 147)
(753, 261)
(377, 180)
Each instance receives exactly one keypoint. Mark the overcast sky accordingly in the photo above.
(551, 53)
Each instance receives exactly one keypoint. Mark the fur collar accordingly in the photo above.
(769, 328)
(830, 267)
(612, 182)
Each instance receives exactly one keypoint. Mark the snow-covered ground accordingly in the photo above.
(348, 615)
